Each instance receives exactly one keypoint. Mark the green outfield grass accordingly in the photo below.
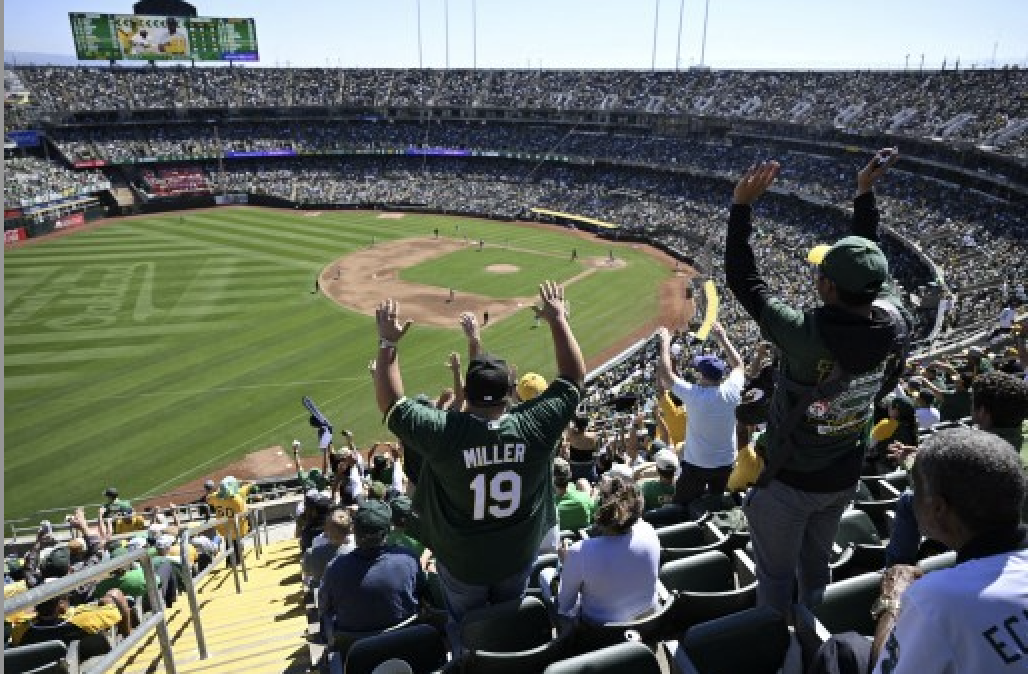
(151, 351)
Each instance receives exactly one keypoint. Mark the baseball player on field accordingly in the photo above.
(485, 494)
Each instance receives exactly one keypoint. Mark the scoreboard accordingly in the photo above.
(138, 37)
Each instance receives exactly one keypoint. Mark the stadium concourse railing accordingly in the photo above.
(158, 619)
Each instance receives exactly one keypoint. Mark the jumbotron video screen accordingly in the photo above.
(135, 37)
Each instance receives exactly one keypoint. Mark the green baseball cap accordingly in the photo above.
(854, 264)
(373, 518)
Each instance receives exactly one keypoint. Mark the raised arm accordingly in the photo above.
(665, 371)
(741, 272)
(469, 324)
(865, 212)
(732, 356)
(458, 380)
(388, 381)
(570, 364)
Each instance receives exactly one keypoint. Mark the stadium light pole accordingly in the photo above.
(678, 46)
(906, 64)
(703, 44)
(421, 64)
(656, 21)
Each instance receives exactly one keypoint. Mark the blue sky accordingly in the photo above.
(590, 33)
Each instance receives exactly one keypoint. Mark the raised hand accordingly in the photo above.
(469, 324)
(755, 182)
(876, 168)
(389, 327)
(552, 296)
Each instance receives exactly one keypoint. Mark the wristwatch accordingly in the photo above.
(884, 605)
(385, 343)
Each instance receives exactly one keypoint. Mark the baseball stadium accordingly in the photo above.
(353, 367)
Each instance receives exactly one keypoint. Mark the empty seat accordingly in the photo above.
(626, 657)
(858, 545)
(703, 587)
(46, 656)
(515, 637)
(754, 641)
(847, 604)
(420, 646)
(688, 539)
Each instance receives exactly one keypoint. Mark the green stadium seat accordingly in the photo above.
(512, 637)
(754, 641)
(420, 646)
(630, 656)
(44, 657)
(703, 588)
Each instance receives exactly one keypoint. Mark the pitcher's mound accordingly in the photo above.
(502, 268)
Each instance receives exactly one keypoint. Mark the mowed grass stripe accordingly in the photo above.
(78, 355)
(250, 244)
(290, 234)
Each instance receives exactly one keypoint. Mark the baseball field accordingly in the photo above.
(152, 351)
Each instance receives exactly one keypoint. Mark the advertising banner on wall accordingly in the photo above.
(73, 220)
(16, 234)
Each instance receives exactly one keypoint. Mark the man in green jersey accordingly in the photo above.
(486, 484)
(574, 508)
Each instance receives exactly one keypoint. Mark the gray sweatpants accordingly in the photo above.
(792, 533)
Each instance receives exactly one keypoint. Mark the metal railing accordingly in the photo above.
(255, 518)
(65, 585)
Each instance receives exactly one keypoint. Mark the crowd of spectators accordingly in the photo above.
(970, 232)
(966, 105)
(30, 180)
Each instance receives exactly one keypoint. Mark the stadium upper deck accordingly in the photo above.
(983, 107)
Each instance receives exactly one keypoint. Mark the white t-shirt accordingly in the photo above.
(971, 618)
(611, 578)
(710, 434)
(1006, 318)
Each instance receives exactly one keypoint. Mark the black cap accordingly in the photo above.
(488, 381)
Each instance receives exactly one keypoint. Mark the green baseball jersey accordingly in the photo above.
(485, 495)
(574, 509)
(656, 493)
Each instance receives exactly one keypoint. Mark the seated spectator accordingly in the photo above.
(574, 508)
(386, 469)
(582, 450)
(376, 585)
(404, 525)
(969, 490)
(924, 409)
(337, 540)
(955, 403)
(129, 580)
(900, 426)
(57, 620)
(611, 577)
(659, 492)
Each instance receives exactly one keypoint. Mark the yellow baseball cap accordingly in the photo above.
(530, 385)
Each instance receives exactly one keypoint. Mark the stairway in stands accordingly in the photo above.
(258, 631)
